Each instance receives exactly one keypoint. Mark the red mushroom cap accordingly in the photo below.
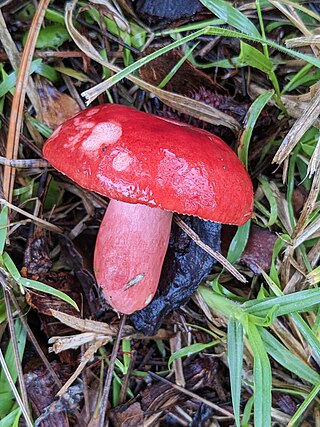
(136, 157)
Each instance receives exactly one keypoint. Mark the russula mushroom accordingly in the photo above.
(149, 167)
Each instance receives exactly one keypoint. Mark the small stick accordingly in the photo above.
(24, 163)
(125, 384)
(216, 255)
(192, 395)
(107, 385)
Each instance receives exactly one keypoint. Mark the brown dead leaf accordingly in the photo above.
(299, 196)
(44, 303)
(41, 390)
(127, 416)
(258, 252)
(181, 103)
(186, 80)
(162, 395)
(57, 107)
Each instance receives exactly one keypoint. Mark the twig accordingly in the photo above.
(24, 163)
(219, 257)
(107, 385)
(192, 395)
(125, 384)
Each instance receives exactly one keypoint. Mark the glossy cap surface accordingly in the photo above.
(137, 157)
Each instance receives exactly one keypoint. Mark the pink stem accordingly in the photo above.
(129, 253)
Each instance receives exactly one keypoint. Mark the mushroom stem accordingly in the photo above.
(129, 253)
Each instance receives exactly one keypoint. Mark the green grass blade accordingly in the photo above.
(251, 118)
(176, 67)
(251, 56)
(126, 350)
(3, 228)
(287, 304)
(190, 350)
(262, 378)
(208, 30)
(37, 66)
(247, 413)
(239, 242)
(7, 403)
(235, 360)
(136, 65)
(38, 286)
(216, 31)
(220, 303)
(268, 192)
(303, 407)
(10, 266)
(9, 420)
(287, 359)
(307, 332)
(225, 11)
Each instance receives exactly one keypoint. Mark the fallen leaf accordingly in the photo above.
(258, 252)
(56, 107)
(127, 416)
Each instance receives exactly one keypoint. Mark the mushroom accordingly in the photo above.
(149, 167)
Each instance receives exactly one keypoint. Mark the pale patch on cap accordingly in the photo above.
(122, 161)
(105, 133)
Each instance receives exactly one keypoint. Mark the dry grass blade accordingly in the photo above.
(314, 163)
(308, 233)
(14, 390)
(302, 8)
(296, 105)
(187, 105)
(98, 328)
(114, 13)
(291, 14)
(298, 129)
(216, 255)
(40, 222)
(295, 280)
(308, 205)
(303, 41)
(176, 345)
(13, 338)
(87, 356)
(85, 325)
(16, 115)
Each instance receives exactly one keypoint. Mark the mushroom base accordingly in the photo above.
(129, 253)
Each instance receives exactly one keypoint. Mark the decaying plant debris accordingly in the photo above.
(244, 347)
